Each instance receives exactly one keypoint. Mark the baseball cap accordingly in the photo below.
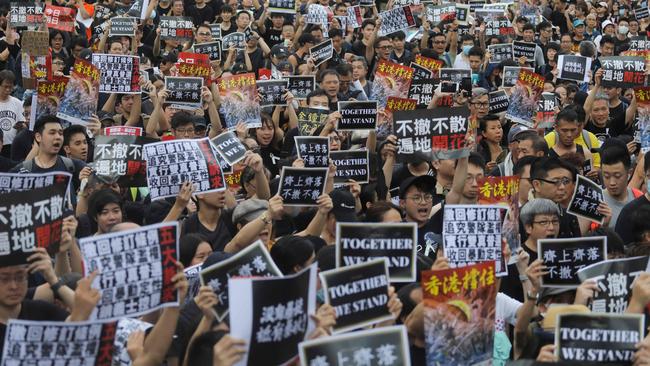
(514, 130)
(104, 116)
(343, 205)
(606, 23)
(602, 4)
(427, 180)
(285, 66)
(279, 51)
(578, 23)
(550, 320)
(86, 54)
(249, 210)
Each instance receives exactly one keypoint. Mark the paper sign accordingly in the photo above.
(565, 257)
(302, 186)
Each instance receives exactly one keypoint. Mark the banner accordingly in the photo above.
(255, 317)
(572, 67)
(60, 17)
(322, 52)
(459, 312)
(380, 346)
(357, 116)
(18, 182)
(309, 119)
(361, 242)
(253, 261)
(180, 29)
(587, 195)
(135, 268)
(500, 52)
(623, 71)
(230, 148)
(351, 165)
(171, 163)
(524, 97)
(119, 73)
(563, 258)
(212, 49)
(498, 101)
(119, 159)
(26, 14)
(301, 86)
(314, 151)
(238, 94)
(272, 92)
(598, 338)
(79, 100)
(302, 186)
(395, 20)
(184, 92)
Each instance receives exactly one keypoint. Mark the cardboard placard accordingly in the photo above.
(272, 92)
(524, 49)
(238, 103)
(180, 29)
(302, 186)
(587, 195)
(351, 165)
(499, 101)
(322, 52)
(301, 86)
(119, 73)
(565, 257)
(313, 150)
(572, 67)
(623, 71)
(357, 116)
(395, 20)
(122, 27)
(212, 49)
(184, 92)
(230, 148)
(35, 43)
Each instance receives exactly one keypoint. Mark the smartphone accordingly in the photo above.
(448, 87)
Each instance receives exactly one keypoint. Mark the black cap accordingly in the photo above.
(86, 54)
(343, 205)
(280, 51)
(427, 180)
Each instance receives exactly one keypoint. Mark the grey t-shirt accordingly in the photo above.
(616, 205)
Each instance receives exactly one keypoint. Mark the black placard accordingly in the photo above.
(351, 164)
(212, 49)
(357, 116)
(639, 43)
(122, 27)
(511, 75)
(236, 39)
(184, 92)
(587, 195)
(572, 67)
(282, 6)
(215, 29)
(499, 101)
(302, 186)
(358, 293)
(623, 71)
(230, 148)
(301, 86)
(383, 345)
(360, 242)
(253, 261)
(420, 72)
(272, 92)
(563, 258)
(615, 279)
(546, 110)
(25, 14)
(309, 119)
(641, 12)
(322, 52)
(119, 159)
(454, 75)
(524, 49)
(500, 52)
(422, 91)
(598, 338)
(314, 151)
(180, 29)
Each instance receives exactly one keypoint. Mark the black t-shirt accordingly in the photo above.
(200, 16)
(35, 310)
(617, 121)
(272, 36)
(624, 225)
(219, 237)
(429, 237)
(257, 60)
(602, 133)
(270, 157)
(511, 284)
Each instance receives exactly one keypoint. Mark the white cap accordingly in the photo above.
(603, 4)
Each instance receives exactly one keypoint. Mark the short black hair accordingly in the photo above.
(539, 144)
(568, 114)
(344, 69)
(399, 35)
(306, 38)
(518, 169)
(326, 72)
(182, 118)
(7, 75)
(477, 160)
(614, 151)
(488, 117)
(540, 168)
(99, 199)
(40, 123)
(317, 93)
(607, 39)
(335, 33)
(528, 26)
(476, 51)
(71, 131)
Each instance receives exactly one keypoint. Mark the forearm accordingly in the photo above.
(62, 264)
(247, 235)
(454, 195)
(153, 125)
(293, 117)
(159, 340)
(388, 169)
(590, 98)
(156, 46)
(204, 326)
(371, 142)
(525, 314)
(174, 213)
(102, 42)
(630, 112)
(215, 120)
(316, 225)
(109, 106)
(262, 184)
(134, 117)
(76, 259)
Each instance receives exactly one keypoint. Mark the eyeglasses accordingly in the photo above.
(421, 199)
(546, 223)
(19, 278)
(204, 33)
(185, 130)
(481, 105)
(385, 47)
(525, 178)
(557, 183)
(440, 42)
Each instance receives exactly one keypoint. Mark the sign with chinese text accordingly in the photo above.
(420, 72)
(79, 100)
(184, 92)
(212, 49)
(180, 29)
(26, 14)
(623, 71)
(282, 6)
(60, 17)
(301, 86)
(236, 39)
(314, 151)
(48, 98)
(500, 52)
(35, 43)
(119, 73)
(302, 186)
(238, 93)
(546, 110)
(272, 92)
(395, 20)
(421, 91)
(194, 65)
(454, 75)
(309, 119)
(524, 97)
(123, 131)
(587, 196)
(119, 159)
(563, 258)
(572, 67)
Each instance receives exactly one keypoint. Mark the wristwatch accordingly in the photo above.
(523, 278)
(56, 287)
(530, 297)
(265, 218)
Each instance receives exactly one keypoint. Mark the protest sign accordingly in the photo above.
(192, 274)
(26, 14)
(385, 345)
(233, 179)
(322, 52)
(354, 17)
(318, 14)
(215, 29)
(614, 278)
(524, 97)
(511, 75)
(639, 43)
(302, 186)
(309, 119)
(546, 110)
(429, 63)
(391, 80)
(563, 258)
(351, 165)
(395, 20)
(503, 191)
(500, 52)
(524, 49)
(360, 242)
(36, 43)
(496, 22)
(135, 268)
(58, 343)
(439, 13)
(472, 234)
(623, 71)
(437, 133)
(18, 182)
(119, 73)
(256, 317)
(126, 327)
(421, 91)
(272, 92)
(194, 65)
(60, 17)
(301, 86)
(395, 104)
(238, 94)
(598, 338)
(180, 29)
(475, 5)
(123, 131)
(253, 261)
(454, 75)
(587, 196)
(462, 14)
(282, 6)
(122, 27)
(119, 159)
(314, 151)
(236, 39)
(184, 92)
(641, 12)
(35, 68)
(358, 294)
(48, 97)
(357, 116)
(79, 101)
(642, 135)
(572, 67)
(230, 148)
(170, 163)
(498, 101)
(420, 72)
(212, 49)
(459, 312)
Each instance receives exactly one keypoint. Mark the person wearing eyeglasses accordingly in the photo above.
(203, 34)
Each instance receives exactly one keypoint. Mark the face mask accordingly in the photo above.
(623, 29)
(466, 50)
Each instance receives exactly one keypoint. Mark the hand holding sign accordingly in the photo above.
(85, 298)
(206, 300)
(228, 350)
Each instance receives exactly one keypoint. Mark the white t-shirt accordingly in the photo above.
(11, 112)
(505, 312)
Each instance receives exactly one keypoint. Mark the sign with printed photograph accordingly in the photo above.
(48, 97)
(587, 196)
(253, 261)
(135, 269)
(302, 186)
(511, 75)
(572, 67)
(358, 294)
(361, 242)
(563, 258)
(301, 85)
(230, 148)
(391, 80)
(357, 116)
(238, 93)
(79, 101)
(351, 165)
(313, 150)
(524, 97)
(119, 73)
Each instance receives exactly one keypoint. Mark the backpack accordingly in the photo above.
(585, 136)
(69, 164)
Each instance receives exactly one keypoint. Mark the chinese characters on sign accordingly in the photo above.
(272, 92)
(79, 100)
(563, 258)
(302, 186)
(180, 29)
(587, 195)
(314, 151)
(26, 14)
(623, 71)
(301, 86)
(395, 19)
(119, 74)
(572, 67)
(524, 97)
(310, 118)
(184, 92)
(238, 103)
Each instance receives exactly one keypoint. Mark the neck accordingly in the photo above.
(7, 313)
(531, 244)
(44, 160)
(621, 197)
(328, 237)
(209, 216)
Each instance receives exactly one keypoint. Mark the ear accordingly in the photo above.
(66, 149)
(528, 228)
(38, 137)
(402, 204)
(536, 185)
